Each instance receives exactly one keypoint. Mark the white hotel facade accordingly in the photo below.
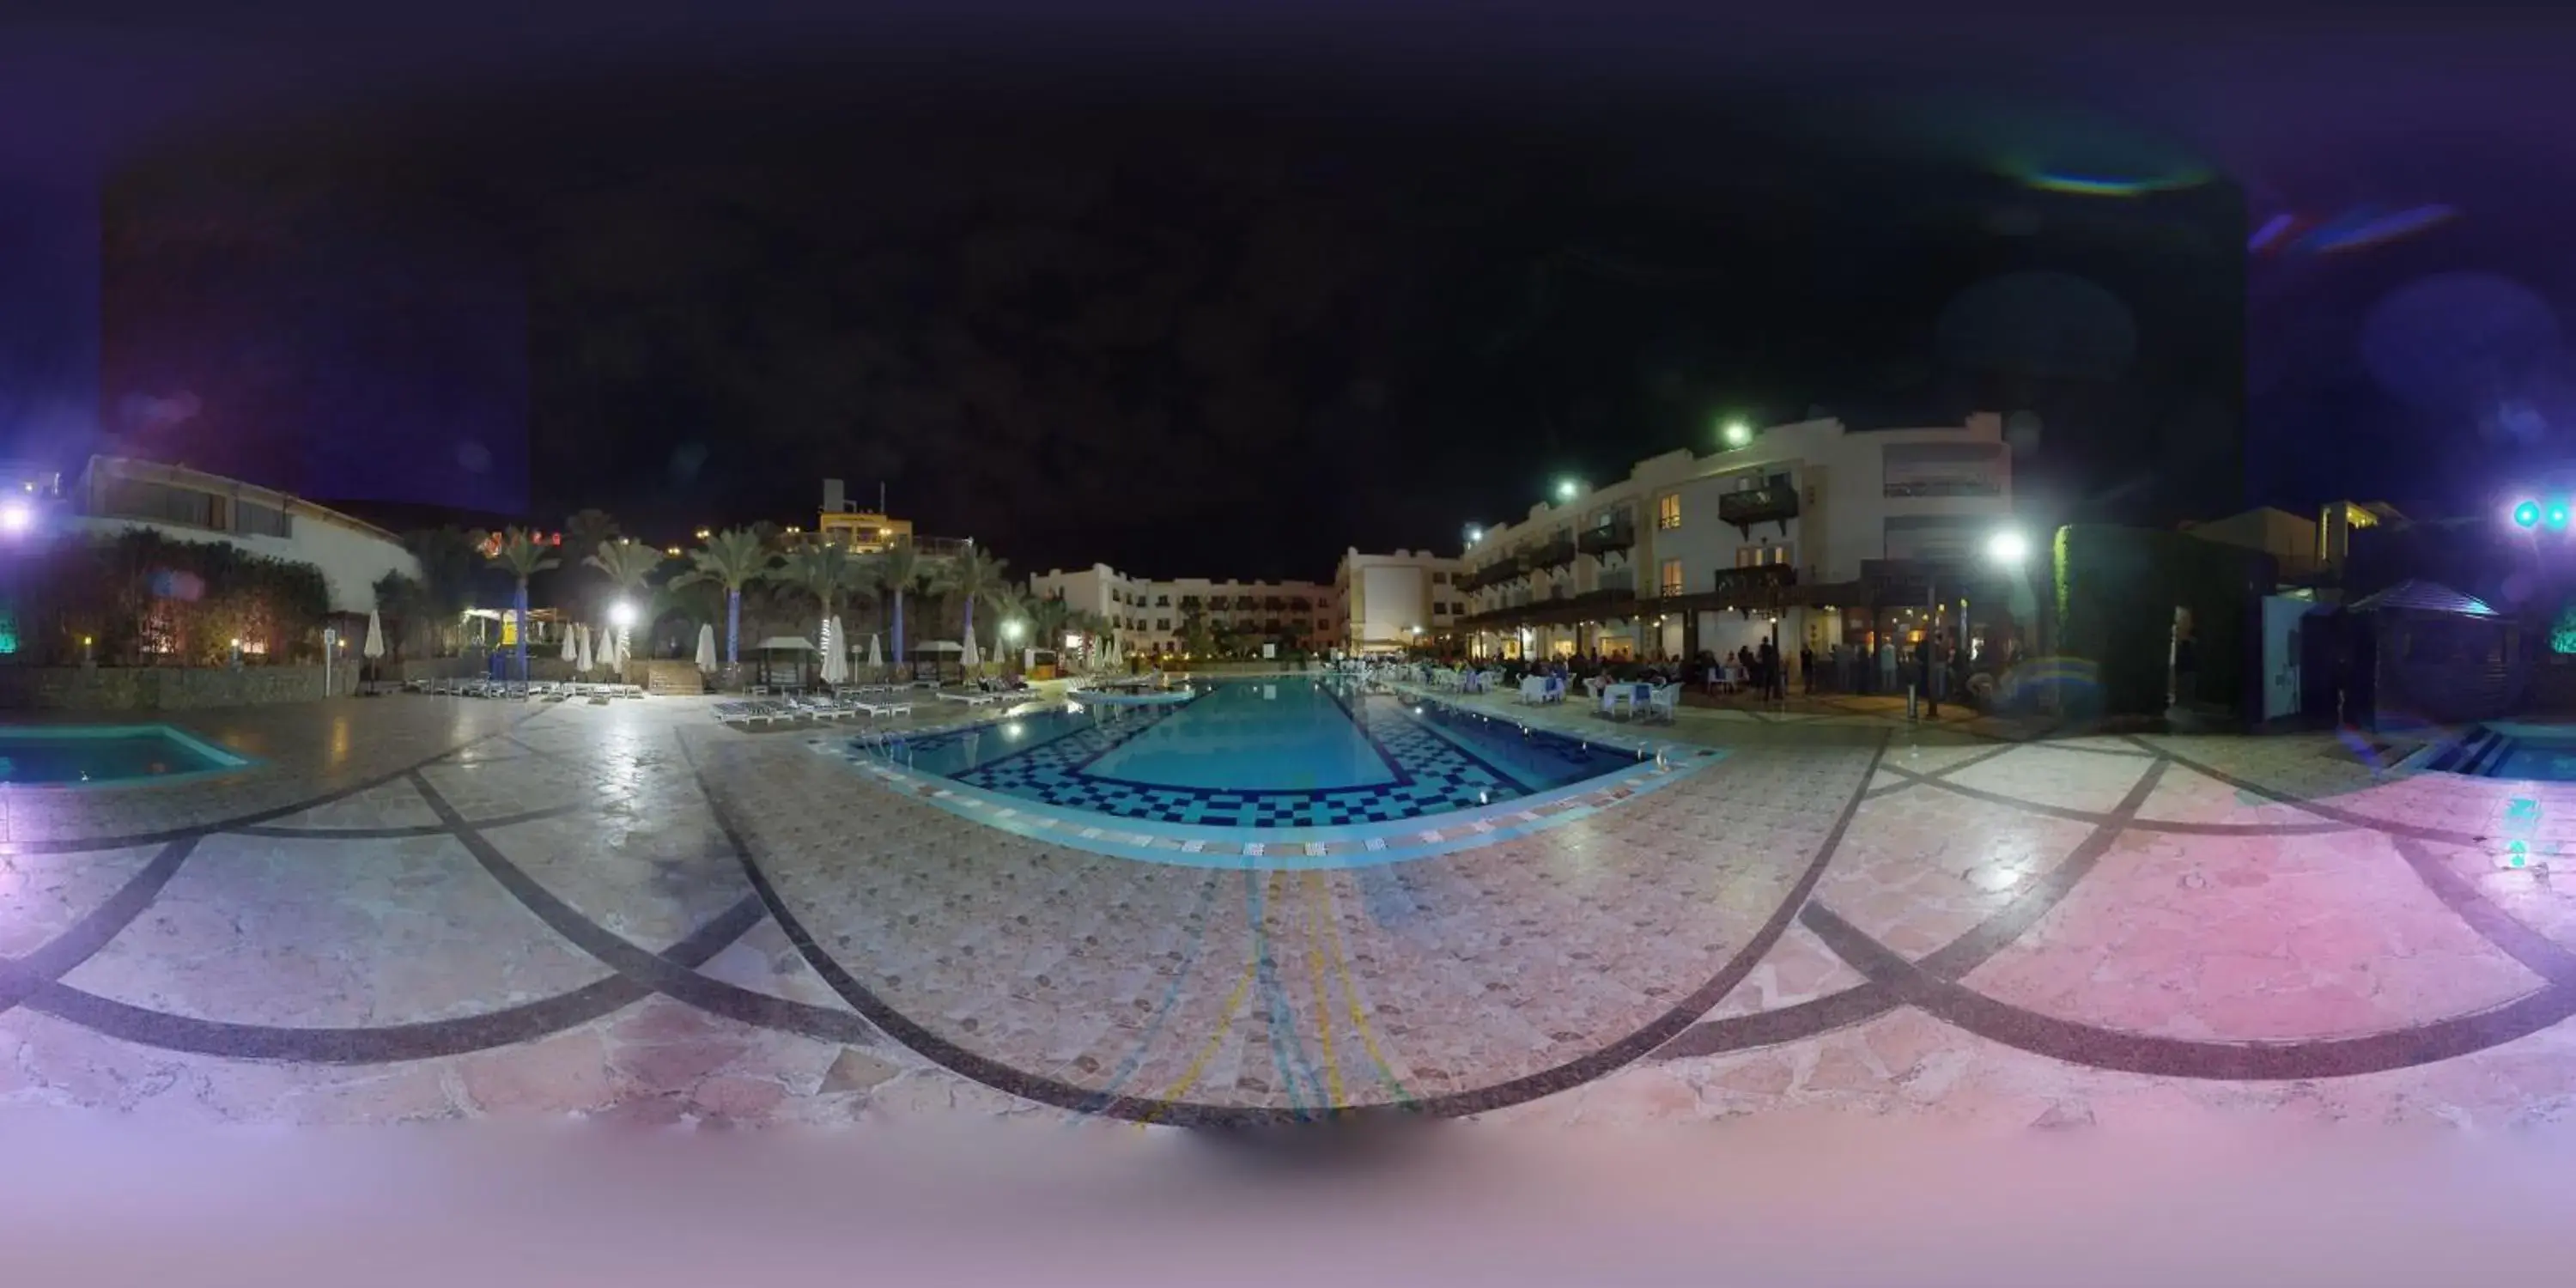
(1374, 604)
(1814, 529)
(1148, 614)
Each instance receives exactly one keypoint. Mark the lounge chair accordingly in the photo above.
(884, 708)
(973, 699)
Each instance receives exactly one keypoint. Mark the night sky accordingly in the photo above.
(1208, 314)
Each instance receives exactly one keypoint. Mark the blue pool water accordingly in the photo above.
(105, 755)
(1264, 754)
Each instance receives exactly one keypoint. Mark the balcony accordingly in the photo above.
(1955, 485)
(1756, 585)
(1506, 569)
(1556, 553)
(1618, 534)
(1775, 504)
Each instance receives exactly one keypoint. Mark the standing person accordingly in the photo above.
(1807, 667)
(2186, 669)
(1927, 665)
(1887, 664)
(1769, 675)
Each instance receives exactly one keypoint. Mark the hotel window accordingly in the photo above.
(1439, 579)
(1758, 556)
(1162, 601)
(253, 519)
(1668, 510)
(1668, 582)
(1162, 623)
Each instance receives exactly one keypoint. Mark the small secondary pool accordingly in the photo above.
(72, 756)
(1283, 754)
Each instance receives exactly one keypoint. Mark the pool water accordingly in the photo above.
(1263, 754)
(73, 756)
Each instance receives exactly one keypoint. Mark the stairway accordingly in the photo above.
(678, 679)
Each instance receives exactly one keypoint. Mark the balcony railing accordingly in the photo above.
(1934, 487)
(1777, 504)
(1509, 568)
(1555, 554)
(1619, 534)
(1755, 585)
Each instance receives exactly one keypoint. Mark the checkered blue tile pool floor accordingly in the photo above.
(1434, 775)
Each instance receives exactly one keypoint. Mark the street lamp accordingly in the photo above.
(621, 614)
(2008, 548)
(1011, 630)
(1568, 490)
(1738, 433)
(16, 517)
(1474, 534)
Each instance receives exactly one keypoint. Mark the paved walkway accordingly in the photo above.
(428, 908)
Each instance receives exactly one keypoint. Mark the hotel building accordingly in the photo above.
(841, 522)
(1391, 602)
(1816, 530)
(115, 495)
(1149, 615)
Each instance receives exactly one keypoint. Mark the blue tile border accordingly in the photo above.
(226, 761)
(1437, 773)
(1325, 846)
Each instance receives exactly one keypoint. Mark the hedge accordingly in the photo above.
(2117, 589)
(135, 590)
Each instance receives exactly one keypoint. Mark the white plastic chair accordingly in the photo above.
(1665, 703)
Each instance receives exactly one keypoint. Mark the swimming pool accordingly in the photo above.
(73, 756)
(1273, 755)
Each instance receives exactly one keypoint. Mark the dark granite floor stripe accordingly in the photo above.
(1004, 1077)
(1914, 778)
(1965, 953)
(2322, 827)
(648, 969)
(1992, 934)
(383, 1044)
(2350, 818)
(2537, 952)
(405, 832)
(23, 977)
(83, 845)
(2095, 1047)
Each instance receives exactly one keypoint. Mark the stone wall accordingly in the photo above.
(164, 688)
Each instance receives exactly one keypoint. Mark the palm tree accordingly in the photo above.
(588, 530)
(1010, 608)
(520, 553)
(896, 570)
(1094, 628)
(826, 572)
(974, 576)
(1048, 616)
(628, 566)
(733, 559)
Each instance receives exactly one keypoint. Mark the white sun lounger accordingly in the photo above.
(884, 708)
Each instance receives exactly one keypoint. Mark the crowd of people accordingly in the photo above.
(1934, 668)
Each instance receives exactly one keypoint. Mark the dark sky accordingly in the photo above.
(1219, 311)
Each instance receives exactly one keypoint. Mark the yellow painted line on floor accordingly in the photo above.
(1323, 996)
(1198, 1067)
(1351, 999)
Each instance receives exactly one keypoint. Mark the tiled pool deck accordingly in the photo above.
(418, 908)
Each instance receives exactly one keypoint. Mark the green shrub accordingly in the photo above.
(2117, 589)
(142, 598)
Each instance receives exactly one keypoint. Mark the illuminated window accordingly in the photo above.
(1668, 510)
(1669, 582)
(1758, 556)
